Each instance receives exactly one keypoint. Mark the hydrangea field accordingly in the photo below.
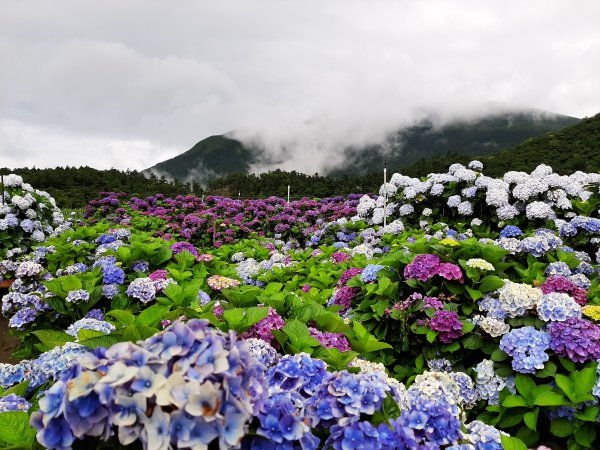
(456, 311)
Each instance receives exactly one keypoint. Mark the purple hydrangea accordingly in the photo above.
(575, 338)
(447, 325)
(264, 329)
(331, 340)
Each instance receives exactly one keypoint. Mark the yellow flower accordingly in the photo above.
(592, 311)
(449, 242)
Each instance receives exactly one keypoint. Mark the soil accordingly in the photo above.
(8, 343)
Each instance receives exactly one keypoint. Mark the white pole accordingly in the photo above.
(288, 194)
(239, 194)
(384, 191)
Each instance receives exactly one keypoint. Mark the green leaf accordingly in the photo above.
(565, 384)
(513, 401)
(84, 334)
(549, 370)
(125, 317)
(472, 341)
(15, 429)
(549, 399)
(584, 380)
(512, 443)
(562, 427)
(431, 335)
(491, 283)
(585, 435)
(589, 414)
(530, 418)
(526, 387)
(18, 389)
(152, 316)
(474, 293)
(53, 338)
(498, 355)
(101, 341)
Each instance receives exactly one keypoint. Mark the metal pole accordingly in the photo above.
(384, 191)
(288, 194)
(239, 194)
(2, 188)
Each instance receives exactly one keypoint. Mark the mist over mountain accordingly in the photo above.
(428, 137)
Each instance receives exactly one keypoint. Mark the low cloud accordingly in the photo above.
(95, 84)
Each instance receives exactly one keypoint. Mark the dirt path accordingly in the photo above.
(8, 343)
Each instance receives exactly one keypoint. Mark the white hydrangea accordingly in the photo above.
(365, 205)
(394, 227)
(465, 175)
(475, 165)
(427, 212)
(454, 201)
(539, 210)
(518, 298)
(13, 180)
(437, 189)
(454, 168)
(406, 209)
(481, 264)
(493, 327)
(23, 203)
(388, 189)
(507, 212)
(476, 222)
(496, 197)
(465, 208)
(541, 171)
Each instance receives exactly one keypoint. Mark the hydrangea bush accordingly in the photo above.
(27, 216)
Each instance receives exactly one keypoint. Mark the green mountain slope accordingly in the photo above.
(221, 155)
(567, 150)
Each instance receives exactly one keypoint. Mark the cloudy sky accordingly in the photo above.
(129, 83)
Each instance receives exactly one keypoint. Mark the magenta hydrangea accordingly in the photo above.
(345, 295)
(348, 275)
(447, 325)
(558, 283)
(426, 266)
(339, 257)
(423, 267)
(264, 329)
(575, 338)
(179, 247)
(331, 340)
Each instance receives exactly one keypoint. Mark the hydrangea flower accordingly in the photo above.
(77, 296)
(90, 324)
(487, 382)
(481, 264)
(369, 273)
(557, 307)
(447, 325)
(527, 346)
(218, 282)
(142, 289)
(576, 339)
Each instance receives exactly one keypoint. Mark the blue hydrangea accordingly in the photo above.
(558, 268)
(585, 268)
(106, 239)
(511, 231)
(90, 324)
(142, 289)
(483, 436)
(77, 296)
(13, 402)
(110, 290)
(112, 274)
(204, 297)
(11, 374)
(527, 346)
(298, 372)
(557, 307)
(140, 266)
(369, 273)
(488, 383)
(94, 314)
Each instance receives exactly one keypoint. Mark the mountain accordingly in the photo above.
(222, 155)
(567, 150)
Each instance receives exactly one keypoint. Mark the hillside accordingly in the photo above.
(221, 155)
(567, 150)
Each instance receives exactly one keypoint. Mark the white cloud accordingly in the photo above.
(149, 78)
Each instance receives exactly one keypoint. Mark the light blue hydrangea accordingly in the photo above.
(369, 273)
(557, 307)
(527, 347)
